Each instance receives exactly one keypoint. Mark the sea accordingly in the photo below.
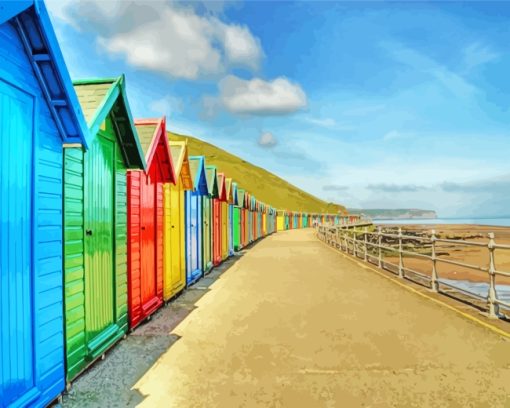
(478, 289)
(500, 222)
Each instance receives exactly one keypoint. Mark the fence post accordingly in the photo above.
(365, 232)
(379, 244)
(346, 242)
(400, 261)
(434, 282)
(354, 243)
(493, 306)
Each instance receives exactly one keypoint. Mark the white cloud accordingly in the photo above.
(167, 105)
(329, 123)
(260, 97)
(326, 122)
(419, 62)
(267, 140)
(241, 47)
(477, 54)
(164, 37)
(59, 9)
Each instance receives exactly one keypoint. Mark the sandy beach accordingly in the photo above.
(467, 254)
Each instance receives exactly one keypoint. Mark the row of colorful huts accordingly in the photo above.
(103, 218)
(292, 220)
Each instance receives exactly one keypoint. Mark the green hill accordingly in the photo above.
(266, 186)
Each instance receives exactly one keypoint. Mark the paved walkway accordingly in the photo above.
(295, 324)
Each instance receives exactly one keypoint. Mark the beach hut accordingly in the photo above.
(174, 215)
(207, 232)
(251, 223)
(238, 219)
(256, 219)
(218, 220)
(224, 221)
(245, 220)
(39, 112)
(232, 205)
(264, 220)
(248, 218)
(145, 221)
(280, 220)
(95, 222)
(230, 216)
(194, 223)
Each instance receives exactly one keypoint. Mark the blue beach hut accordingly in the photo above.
(39, 112)
(194, 222)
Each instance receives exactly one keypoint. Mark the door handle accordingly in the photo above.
(143, 228)
(88, 233)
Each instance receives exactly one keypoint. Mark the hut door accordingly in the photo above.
(206, 230)
(147, 240)
(194, 232)
(217, 230)
(16, 257)
(99, 233)
(188, 222)
(176, 214)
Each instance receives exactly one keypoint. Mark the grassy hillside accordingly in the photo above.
(266, 186)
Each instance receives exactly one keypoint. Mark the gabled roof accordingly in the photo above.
(228, 186)
(222, 189)
(31, 19)
(100, 98)
(154, 143)
(235, 200)
(198, 175)
(179, 151)
(212, 181)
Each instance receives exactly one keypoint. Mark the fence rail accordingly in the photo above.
(369, 246)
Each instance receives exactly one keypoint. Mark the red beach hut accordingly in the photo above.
(145, 221)
(217, 219)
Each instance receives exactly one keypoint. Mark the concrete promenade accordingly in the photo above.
(292, 323)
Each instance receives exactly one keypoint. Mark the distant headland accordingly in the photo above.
(395, 214)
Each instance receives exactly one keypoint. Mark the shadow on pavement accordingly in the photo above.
(108, 383)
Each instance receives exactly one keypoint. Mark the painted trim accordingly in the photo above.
(71, 124)
(159, 132)
(200, 182)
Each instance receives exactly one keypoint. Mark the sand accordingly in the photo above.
(467, 254)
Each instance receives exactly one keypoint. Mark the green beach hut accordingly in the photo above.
(95, 223)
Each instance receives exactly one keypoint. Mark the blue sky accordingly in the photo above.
(372, 105)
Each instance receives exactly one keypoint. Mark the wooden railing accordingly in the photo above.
(375, 246)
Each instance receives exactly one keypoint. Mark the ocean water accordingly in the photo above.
(501, 222)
